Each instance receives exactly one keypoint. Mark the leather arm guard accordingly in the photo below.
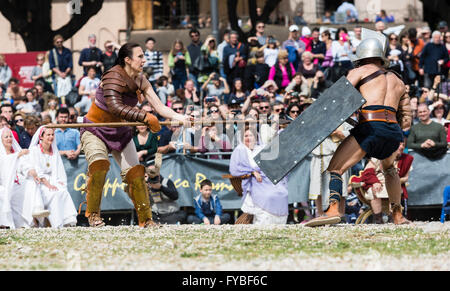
(404, 114)
(113, 88)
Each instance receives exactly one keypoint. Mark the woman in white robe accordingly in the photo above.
(268, 203)
(24, 201)
(6, 182)
(46, 161)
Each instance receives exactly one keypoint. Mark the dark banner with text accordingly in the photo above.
(426, 183)
(187, 172)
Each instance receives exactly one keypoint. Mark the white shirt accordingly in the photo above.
(270, 56)
(90, 84)
(340, 52)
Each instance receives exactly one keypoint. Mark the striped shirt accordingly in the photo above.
(154, 60)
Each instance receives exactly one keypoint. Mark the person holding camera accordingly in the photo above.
(319, 84)
(212, 140)
(163, 195)
(219, 86)
(299, 84)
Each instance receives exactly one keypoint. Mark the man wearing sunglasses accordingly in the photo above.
(264, 107)
(60, 60)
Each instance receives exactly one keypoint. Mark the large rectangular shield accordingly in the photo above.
(309, 130)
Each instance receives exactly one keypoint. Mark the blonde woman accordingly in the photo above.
(42, 69)
(283, 71)
(179, 62)
(307, 66)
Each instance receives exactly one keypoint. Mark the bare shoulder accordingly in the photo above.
(355, 75)
(396, 81)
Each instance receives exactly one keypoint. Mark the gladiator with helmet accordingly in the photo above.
(378, 133)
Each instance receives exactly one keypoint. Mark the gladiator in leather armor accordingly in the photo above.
(115, 84)
(116, 101)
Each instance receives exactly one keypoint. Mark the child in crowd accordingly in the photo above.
(208, 209)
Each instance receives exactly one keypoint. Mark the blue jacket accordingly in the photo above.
(210, 208)
(89, 55)
(430, 55)
(64, 59)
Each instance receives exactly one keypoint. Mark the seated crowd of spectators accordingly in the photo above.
(258, 78)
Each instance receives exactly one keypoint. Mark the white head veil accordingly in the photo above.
(8, 171)
(57, 167)
(15, 145)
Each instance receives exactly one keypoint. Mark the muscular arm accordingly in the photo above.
(404, 114)
(354, 76)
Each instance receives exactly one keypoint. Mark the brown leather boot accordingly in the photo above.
(138, 192)
(397, 215)
(97, 175)
(331, 216)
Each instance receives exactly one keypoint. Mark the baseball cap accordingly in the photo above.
(306, 31)
(293, 27)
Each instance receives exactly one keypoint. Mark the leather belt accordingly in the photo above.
(98, 115)
(383, 115)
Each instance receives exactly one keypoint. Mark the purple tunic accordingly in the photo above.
(271, 198)
(115, 138)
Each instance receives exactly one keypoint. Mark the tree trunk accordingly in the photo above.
(31, 19)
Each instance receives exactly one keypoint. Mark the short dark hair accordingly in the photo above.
(14, 80)
(150, 39)
(6, 105)
(412, 32)
(316, 29)
(91, 68)
(62, 110)
(204, 183)
(194, 30)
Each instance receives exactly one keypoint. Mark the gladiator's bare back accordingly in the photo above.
(386, 89)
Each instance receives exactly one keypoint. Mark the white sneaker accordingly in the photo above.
(40, 213)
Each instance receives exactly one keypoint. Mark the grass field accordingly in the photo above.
(424, 246)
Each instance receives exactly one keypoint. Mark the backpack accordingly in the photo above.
(292, 54)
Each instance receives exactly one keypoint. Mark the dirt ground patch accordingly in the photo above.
(424, 246)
